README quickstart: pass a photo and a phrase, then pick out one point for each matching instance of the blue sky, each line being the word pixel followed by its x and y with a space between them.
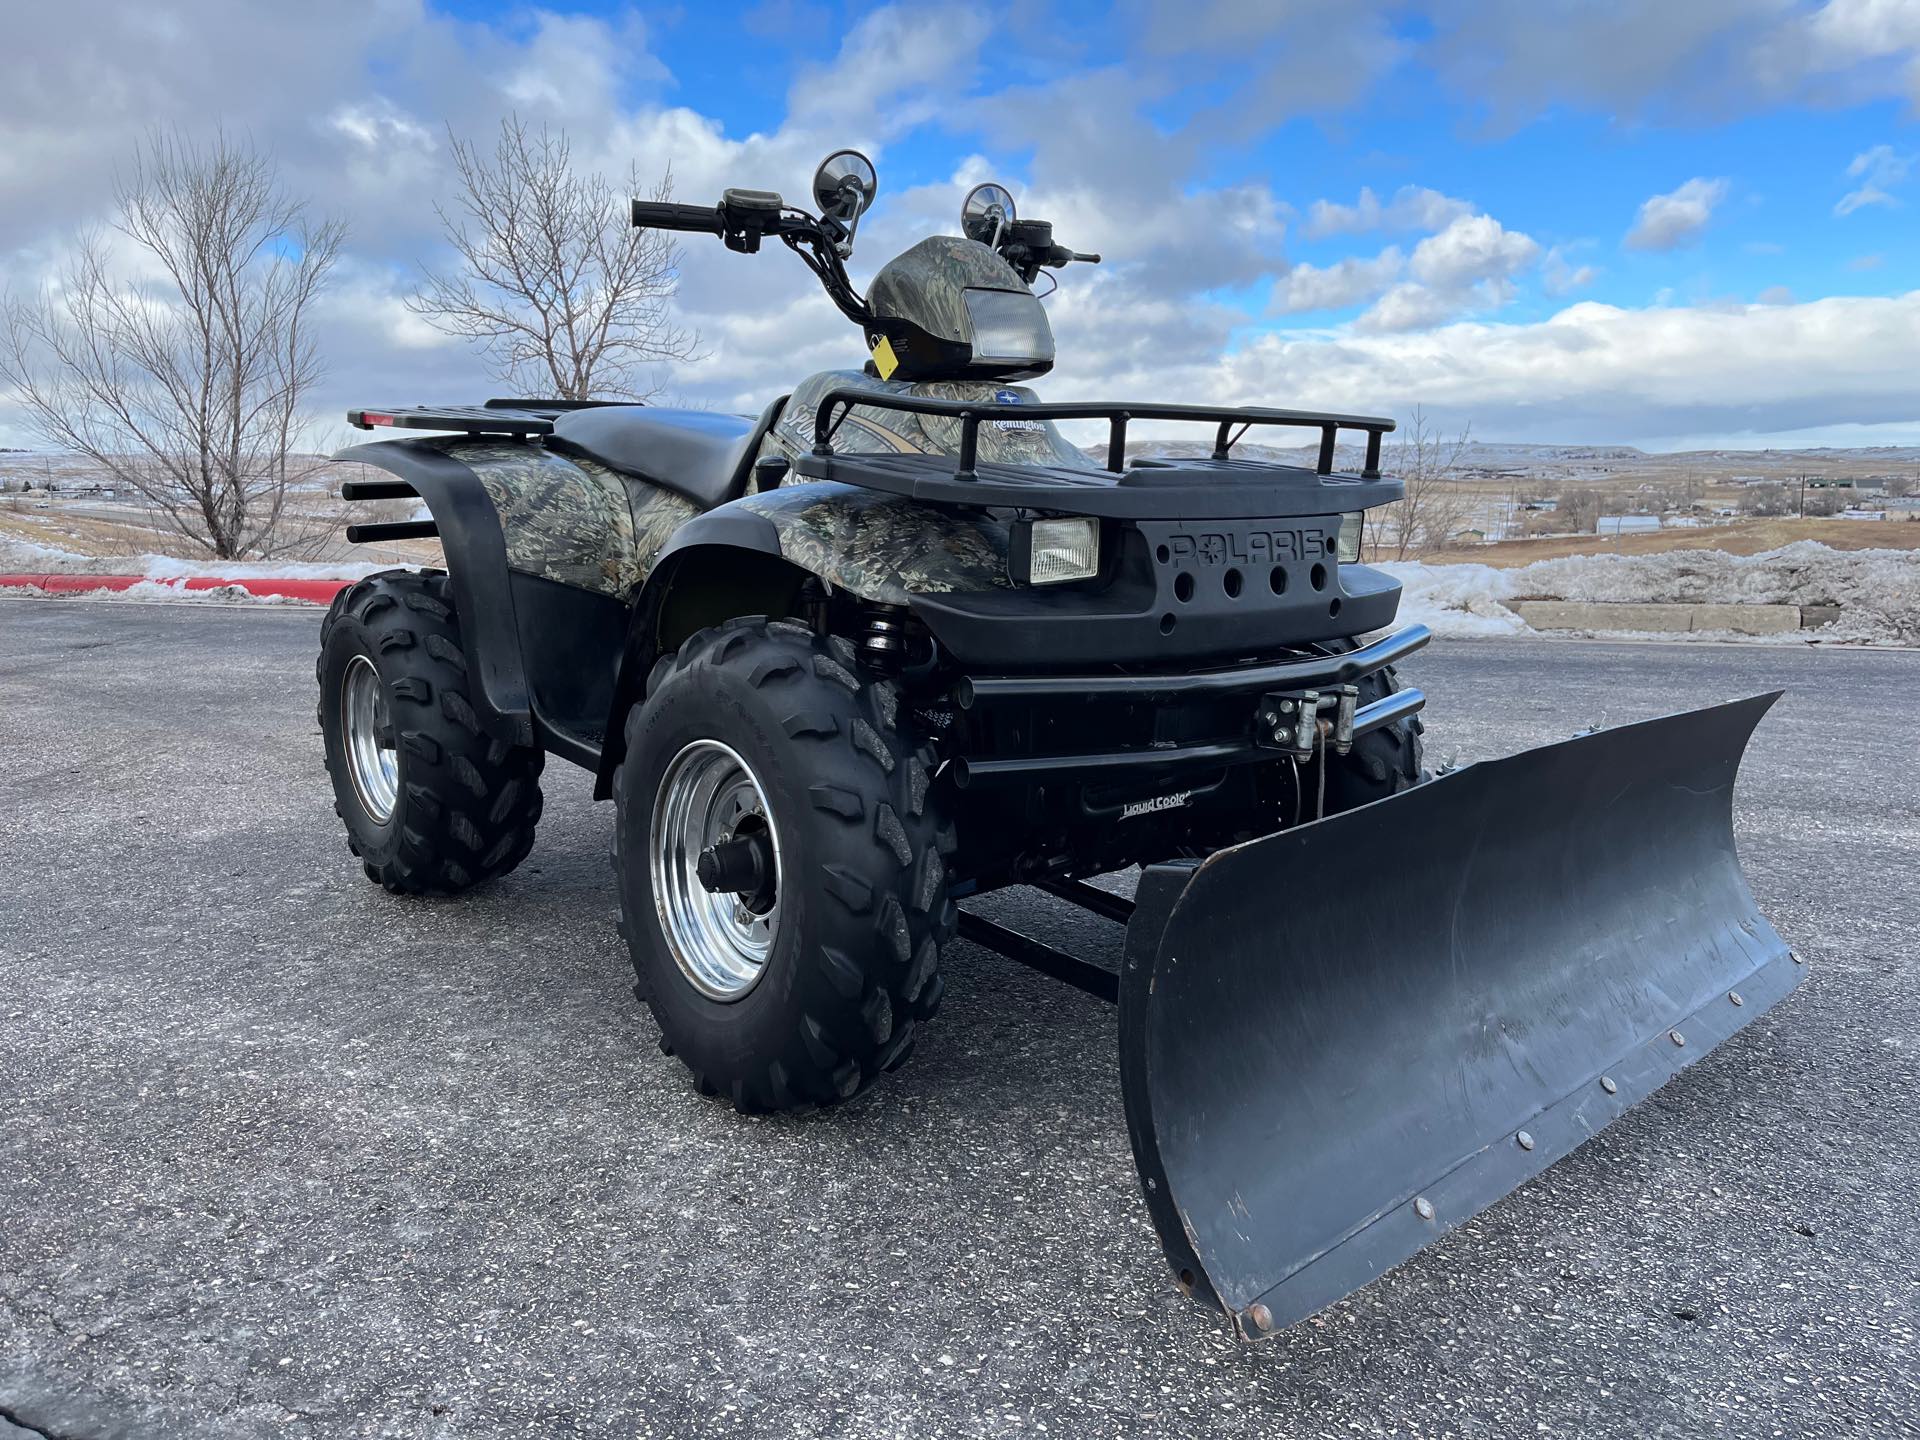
pixel 1677 223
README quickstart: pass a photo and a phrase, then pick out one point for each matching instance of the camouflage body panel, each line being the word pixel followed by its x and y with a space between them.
pixel 883 547
pixel 569 519
pixel 572 520
pixel 657 516
pixel 924 283
pixel 881 432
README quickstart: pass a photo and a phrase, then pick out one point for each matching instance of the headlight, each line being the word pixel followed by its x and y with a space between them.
pixel 1049 552
pixel 1350 524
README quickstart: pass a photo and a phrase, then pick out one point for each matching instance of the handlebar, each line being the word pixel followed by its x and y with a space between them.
pixel 657 215
pixel 744 217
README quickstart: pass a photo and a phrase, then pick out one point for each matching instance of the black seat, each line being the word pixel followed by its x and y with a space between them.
pixel 702 455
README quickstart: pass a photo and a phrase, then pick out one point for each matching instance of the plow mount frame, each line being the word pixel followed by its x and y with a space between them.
pixel 1201 1126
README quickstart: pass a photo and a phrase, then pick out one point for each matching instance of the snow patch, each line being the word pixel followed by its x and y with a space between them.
pixel 19 556
pixel 1455 599
pixel 1878 591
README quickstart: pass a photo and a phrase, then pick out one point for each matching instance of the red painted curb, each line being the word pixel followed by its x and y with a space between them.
pixel 317 592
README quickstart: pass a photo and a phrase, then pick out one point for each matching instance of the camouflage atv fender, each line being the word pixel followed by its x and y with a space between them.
pixel 507 509
pixel 875 546
pixel 880 547
pixel 561 517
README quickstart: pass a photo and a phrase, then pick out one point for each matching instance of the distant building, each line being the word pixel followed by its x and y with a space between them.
pixel 1625 524
pixel 1861 515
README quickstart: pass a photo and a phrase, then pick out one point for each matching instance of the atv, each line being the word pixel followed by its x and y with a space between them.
pixel 896 642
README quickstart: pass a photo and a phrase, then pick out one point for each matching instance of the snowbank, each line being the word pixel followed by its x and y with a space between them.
pixel 1878 591
pixel 1455 599
pixel 23 556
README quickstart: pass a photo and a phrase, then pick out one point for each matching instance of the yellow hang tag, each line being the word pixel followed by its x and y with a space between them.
pixel 884 360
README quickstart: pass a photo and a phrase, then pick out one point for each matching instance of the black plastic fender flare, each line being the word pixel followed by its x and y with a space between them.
pixel 704 539
pixel 476 553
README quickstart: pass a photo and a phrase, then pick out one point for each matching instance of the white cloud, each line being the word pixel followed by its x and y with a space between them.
pixel 1472 249
pixel 1470 264
pixel 1880 169
pixel 1560 276
pixel 1408 306
pixel 1414 208
pixel 1848 31
pixel 1334 287
pixel 1669 221
pixel 1594 372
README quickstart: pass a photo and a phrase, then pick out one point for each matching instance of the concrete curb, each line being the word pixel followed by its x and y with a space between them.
pixel 1668 618
pixel 315 592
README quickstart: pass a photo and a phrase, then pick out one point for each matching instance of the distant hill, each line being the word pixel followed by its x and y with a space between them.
pixel 1487 459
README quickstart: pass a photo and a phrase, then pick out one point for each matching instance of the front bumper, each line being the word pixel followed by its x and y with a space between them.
pixel 1016 724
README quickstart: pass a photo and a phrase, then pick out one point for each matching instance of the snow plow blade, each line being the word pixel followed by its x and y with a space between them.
pixel 1341 1041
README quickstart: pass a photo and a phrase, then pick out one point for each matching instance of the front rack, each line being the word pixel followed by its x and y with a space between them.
pixel 1233 422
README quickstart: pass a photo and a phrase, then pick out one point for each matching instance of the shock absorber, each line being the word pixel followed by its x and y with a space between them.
pixel 891 640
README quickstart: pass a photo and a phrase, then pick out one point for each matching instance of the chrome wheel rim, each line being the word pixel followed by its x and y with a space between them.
pixel 368 735
pixel 720 941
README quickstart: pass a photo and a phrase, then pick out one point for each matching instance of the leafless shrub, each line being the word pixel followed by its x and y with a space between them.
pixel 563 294
pixel 186 386
pixel 1434 509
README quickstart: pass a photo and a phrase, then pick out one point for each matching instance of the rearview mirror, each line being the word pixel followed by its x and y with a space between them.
pixel 987 213
pixel 844 186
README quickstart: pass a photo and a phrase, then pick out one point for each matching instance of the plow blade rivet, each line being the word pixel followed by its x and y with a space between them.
pixel 1526 1140
pixel 1734 996
pixel 1423 1207
pixel 1676 1037
pixel 1261 1317
pixel 1606 1084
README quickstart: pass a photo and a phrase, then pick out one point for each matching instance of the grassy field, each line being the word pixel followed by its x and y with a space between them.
pixel 104 531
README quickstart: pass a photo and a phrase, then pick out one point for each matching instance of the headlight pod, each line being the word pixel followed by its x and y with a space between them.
pixel 1350 524
pixel 1052 552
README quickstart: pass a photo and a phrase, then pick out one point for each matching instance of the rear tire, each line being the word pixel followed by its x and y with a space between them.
pixel 849 966
pixel 431 802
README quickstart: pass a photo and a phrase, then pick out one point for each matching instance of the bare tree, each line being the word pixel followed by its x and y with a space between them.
pixel 186 383
pixel 1434 508
pixel 1580 507
pixel 564 295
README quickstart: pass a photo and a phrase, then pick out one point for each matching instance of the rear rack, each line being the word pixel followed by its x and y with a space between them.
pixel 1233 422
pixel 496 417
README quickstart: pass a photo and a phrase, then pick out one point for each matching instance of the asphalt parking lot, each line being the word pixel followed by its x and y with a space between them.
pixel 282 1155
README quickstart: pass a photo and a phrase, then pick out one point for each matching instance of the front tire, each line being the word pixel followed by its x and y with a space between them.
pixel 803 987
pixel 431 802
pixel 1382 763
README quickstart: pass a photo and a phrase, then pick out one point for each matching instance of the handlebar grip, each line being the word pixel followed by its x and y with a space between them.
pixel 1089 259
pixel 657 215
